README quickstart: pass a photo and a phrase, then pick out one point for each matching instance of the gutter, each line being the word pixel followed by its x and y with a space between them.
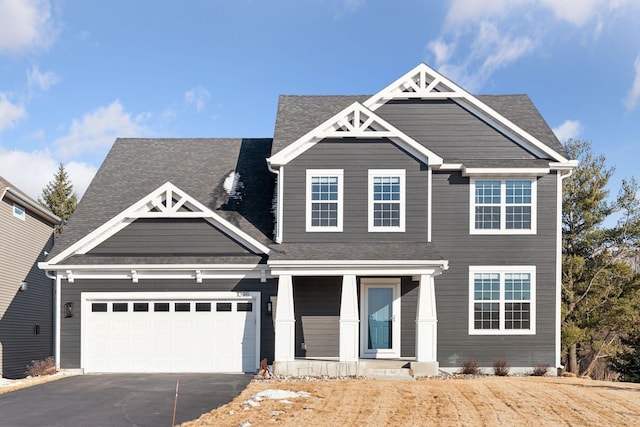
pixel 279 189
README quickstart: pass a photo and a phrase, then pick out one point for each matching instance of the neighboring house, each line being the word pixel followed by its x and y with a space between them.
pixel 419 224
pixel 26 294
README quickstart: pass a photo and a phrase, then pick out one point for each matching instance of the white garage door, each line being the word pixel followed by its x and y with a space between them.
pixel 170 332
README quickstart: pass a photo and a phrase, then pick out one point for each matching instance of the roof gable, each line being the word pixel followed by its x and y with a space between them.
pixel 423 82
pixel 355 121
pixel 168 201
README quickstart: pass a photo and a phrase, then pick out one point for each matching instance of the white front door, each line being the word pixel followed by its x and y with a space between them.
pixel 380 326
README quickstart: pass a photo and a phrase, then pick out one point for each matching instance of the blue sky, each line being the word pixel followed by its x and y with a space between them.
pixel 76 74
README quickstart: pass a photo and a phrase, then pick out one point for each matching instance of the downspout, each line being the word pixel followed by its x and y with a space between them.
pixel 278 214
pixel 558 331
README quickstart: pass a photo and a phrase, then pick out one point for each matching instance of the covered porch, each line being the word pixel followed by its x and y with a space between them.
pixel 342 318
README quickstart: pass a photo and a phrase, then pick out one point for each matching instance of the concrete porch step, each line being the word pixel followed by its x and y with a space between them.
pixel 389 373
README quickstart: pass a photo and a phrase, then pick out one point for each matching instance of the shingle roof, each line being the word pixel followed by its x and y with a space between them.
pixel 297 115
pixel 365 251
pixel 136 167
pixel 22 198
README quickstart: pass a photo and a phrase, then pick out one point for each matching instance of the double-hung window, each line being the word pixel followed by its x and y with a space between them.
pixel 502 300
pixel 506 206
pixel 324 200
pixel 386 200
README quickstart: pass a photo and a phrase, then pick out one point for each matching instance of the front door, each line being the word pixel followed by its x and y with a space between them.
pixel 380 302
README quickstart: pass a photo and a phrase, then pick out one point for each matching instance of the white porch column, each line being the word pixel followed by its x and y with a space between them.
pixel 426 321
pixel 349 320
pixel 285 321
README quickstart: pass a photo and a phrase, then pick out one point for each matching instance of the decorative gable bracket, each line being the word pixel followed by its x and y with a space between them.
pixel 167 201
pixel 355 121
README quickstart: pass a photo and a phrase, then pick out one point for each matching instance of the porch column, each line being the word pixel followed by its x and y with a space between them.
pixel 285 321
pixel 349 339
pixel 426 321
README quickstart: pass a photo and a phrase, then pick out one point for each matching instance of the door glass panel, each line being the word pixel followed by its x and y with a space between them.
pixel 380 316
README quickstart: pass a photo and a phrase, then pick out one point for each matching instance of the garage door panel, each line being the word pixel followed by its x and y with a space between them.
pixel 213 336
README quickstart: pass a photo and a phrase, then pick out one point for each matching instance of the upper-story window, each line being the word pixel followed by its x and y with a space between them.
pixel 19 212
pixel 324 199
pixel 506 206
pixel 502 300
pixel 386 200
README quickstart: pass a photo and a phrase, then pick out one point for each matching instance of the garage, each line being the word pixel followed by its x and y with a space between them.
pixel 170 332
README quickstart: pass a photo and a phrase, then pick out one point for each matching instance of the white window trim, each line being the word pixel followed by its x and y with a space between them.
pixel 502 270
pixel 22 216
pixel 387 172
pixel 324 172
pixel 503 205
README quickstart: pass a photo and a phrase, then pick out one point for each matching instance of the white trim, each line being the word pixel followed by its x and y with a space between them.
pixel 426 321
pixel 355 121
pixel 429 202
pixel 58 319
pixel 284 329
pixel 143 209
pixel 394 351
pixel 518 172
pixel 358 267
pixel 558 296
pixel 86 297
pixel 390 173
pixel 502 270
pixel 23 215
pixel 423 82
pixel 316 173
pixel 503 217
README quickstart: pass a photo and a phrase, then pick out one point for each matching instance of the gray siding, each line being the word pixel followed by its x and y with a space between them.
pixel 450 131
pixel 317 310
pixel 451 237
pixel 408 310
pixel 169 237
pixel 22 246
pixel 70 327
pixel 355 157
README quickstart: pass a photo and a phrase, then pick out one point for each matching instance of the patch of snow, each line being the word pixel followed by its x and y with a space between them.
pixel 280 394
pixel 251 402
pixel 247 424
pixel 286 402
pixel 233 186
pixel 275 413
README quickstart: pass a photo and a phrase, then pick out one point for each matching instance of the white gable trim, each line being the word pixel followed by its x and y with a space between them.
pixel 355 121
pixel 159 204
pixel 423 82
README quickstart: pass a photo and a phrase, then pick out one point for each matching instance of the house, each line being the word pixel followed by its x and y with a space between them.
pixel 26 294
pixel 420 224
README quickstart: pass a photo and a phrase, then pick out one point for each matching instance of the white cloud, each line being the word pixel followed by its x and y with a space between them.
pixel 25 24
pixel 43 81
pixel 31 172
pixel 470 10
pixel 198 97
pixel 568 130
pixel 9 113
pixel 441 50
pixel 634 93
pixel 576 12
pixel 98 129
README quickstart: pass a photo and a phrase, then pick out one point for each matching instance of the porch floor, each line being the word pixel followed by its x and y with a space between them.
pixel 332 367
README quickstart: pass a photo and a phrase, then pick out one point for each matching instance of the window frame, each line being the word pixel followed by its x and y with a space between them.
pixel 375 173
pixel 502 271
pixel 22 214
pixel 314 173
pixel 503 206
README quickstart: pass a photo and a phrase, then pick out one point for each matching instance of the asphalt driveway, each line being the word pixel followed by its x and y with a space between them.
pixel 119 399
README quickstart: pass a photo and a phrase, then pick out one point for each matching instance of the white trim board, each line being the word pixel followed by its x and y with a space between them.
pixel 159 204
pixel 423 82
pixel 355 121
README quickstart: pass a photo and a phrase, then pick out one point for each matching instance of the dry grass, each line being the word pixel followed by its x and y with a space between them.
pixel 489 401
pixel 28 382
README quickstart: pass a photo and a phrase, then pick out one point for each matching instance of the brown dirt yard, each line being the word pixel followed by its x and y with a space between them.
pixel 481 401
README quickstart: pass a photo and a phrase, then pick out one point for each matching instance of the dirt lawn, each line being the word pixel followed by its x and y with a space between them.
pixel 489 401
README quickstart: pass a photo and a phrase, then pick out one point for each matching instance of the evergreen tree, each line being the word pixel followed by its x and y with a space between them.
pixel 600 289
pixel 58 196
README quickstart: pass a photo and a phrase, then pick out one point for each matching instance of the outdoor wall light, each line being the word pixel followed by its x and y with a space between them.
pixel 23 286
pixel 68 309
pixel 36 329
pixel 269 307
